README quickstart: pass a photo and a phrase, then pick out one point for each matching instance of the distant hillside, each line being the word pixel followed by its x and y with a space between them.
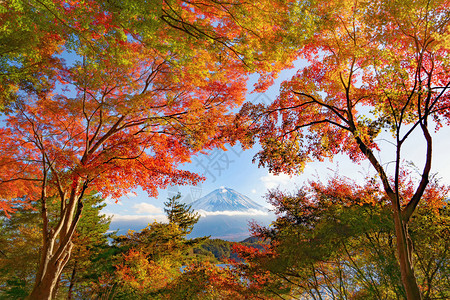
pixel 231 228
pixel 222 250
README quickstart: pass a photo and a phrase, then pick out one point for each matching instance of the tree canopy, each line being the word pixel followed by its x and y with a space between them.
pixel 114 95
pixel 108 96
pixel 371 66
pixel 337 240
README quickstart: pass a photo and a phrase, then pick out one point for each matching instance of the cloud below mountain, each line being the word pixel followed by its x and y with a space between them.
pixel 224 213
pixel 149 218
pixel 250 212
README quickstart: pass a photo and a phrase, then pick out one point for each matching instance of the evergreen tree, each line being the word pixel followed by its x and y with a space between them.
pixel 181 214
pixel 19 243
pixel 149 261
pixel 90 241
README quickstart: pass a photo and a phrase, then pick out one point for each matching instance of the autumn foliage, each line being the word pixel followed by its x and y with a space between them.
pixel 370 67
pixel 333 240
pixel 125 93
pixel 108 96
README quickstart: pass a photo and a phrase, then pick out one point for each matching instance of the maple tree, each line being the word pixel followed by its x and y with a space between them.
pixel 370 66
pixel 204 280
pixel 119 95
pixel 90 241
pixel 343 237
pixel 32 34
pixel 21 239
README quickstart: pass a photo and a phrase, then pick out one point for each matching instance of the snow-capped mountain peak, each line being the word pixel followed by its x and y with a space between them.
pixel 225 199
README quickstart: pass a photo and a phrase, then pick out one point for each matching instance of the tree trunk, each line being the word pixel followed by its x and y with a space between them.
pixel 50 272
pixel 72 282
pixel 404 251
pixel 404 245
pixel 57 242
pixel 56 288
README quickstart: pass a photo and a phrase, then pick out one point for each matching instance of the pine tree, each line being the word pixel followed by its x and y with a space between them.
pixel 181 214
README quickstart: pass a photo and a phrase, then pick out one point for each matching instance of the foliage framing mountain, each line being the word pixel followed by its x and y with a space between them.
pixel 225 199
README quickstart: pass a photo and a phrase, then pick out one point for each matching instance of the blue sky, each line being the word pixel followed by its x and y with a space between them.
pixel 234 169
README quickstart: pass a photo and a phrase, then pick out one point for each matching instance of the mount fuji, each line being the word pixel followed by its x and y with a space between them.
pixel 226 214
pixel 225 199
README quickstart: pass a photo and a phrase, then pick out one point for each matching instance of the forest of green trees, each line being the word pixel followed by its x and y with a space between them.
pixel 99 98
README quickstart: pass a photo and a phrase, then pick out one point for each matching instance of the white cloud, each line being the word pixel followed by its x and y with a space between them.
pixel 138 218
pixel 223 189
pixel 253 191
pixel 145 208
pixel 271 181
pixel 250 212
pixel 111 201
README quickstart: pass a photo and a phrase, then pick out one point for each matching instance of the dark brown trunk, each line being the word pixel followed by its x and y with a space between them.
pixel 404 251
pixel 45 286
pixel 72 282
pixel 57 244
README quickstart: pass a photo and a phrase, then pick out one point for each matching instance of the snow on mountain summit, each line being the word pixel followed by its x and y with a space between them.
pixel 225 199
